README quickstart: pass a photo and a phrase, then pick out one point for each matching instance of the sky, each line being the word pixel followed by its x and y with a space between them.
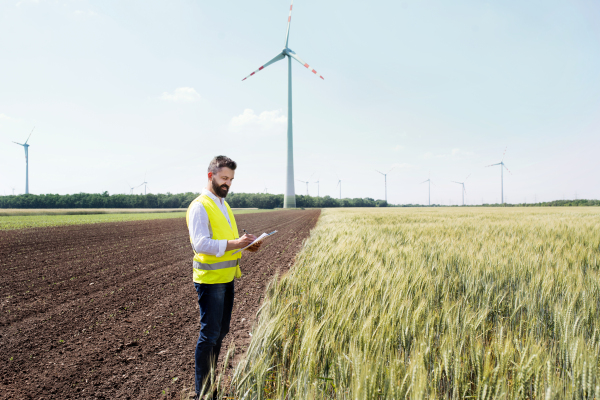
pixel 125 91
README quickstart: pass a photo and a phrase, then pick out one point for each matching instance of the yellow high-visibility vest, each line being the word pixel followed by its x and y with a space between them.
pixel 209 268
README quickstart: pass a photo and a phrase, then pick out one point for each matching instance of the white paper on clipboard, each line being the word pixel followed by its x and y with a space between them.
pixel 258 239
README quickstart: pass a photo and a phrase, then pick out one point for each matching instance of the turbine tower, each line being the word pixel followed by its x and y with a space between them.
pixel 502 166
pixel 317 182
pixel 385 181
pixel 306 185
pixel 26 147
pixel 429 196
pixel 289 199
pixel 463 188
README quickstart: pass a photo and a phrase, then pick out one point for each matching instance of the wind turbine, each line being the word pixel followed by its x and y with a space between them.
pixel 339 184
pixel 130 187
pixel 289 199
pixel 317 182
pixel 385 180
pixel 429 196
pixel 306 185
pixel 26 147
pixel 502 166
pixel 144 183
pixel 463 188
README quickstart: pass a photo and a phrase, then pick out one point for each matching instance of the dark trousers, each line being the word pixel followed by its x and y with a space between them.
pixel 216 302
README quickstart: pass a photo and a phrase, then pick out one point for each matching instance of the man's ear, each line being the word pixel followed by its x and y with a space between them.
pixel 210 175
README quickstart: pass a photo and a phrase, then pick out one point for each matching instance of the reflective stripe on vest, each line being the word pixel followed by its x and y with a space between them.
pixel 215 266
pixel 209 268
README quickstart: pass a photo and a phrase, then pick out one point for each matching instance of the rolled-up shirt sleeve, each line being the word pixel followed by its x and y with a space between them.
pixel 201 234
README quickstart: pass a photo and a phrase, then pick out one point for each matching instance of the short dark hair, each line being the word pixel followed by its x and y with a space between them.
pixel 219 162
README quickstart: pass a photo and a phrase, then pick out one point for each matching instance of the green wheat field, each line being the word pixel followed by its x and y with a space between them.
pixel 434 303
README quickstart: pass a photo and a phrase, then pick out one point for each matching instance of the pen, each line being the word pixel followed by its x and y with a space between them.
pixel 245 232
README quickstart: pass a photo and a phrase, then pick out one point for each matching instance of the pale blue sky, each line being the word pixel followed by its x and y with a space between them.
pixel 120 88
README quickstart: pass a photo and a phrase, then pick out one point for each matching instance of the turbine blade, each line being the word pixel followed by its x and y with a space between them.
pixel 287 34
pixel 425 181
pixel 278 57
pixel 507 169
pixel 460 183
pixel 295 56
pixel 380 172
pixel 503 154
pixel 20 144
pixel 29 135
pixel 491 165
pixel 390 170
pixel 467 177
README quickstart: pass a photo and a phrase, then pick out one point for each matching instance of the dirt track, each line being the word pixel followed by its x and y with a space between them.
pixel 109 310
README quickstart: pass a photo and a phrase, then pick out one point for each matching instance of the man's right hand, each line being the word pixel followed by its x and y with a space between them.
pixel 241 242
pixel 245 240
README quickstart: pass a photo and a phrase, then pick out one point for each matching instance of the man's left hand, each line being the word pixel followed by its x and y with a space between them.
pixel 254 247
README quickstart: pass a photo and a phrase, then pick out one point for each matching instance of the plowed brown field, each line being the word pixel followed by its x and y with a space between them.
pixel 109 311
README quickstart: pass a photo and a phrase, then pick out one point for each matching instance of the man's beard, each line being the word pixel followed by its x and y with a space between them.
pixel 220 191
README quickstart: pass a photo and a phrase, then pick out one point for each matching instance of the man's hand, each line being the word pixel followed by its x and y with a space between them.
pixel 240 243
pixel 254 247
pixel 245 240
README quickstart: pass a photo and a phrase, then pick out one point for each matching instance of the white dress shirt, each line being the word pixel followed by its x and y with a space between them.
pixel 201 231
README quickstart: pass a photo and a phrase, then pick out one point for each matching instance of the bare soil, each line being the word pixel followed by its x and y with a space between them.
pixel 109 311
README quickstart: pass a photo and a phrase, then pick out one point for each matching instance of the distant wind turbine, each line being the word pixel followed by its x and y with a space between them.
pixel 317 182
pixel 385 180
pixel 306 185
pixel 131 187
pixel 289 199
pixel 429 196
pixel 502 166
pixel 26 147
pixel 340 185
pixel 463 188
pixel 144 183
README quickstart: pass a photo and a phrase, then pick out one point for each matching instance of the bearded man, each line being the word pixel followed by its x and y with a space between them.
pixel 214 236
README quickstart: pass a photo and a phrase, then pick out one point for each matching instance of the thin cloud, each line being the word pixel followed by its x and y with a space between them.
pixel 4 117
pixel 182 94
pixel 267 122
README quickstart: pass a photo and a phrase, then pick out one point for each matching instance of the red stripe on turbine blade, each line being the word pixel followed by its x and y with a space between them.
pixel 252 73
pixel 306 65
pixel 261 67
pixel 321 77
pixel 291 7
pixel 289 18
pixel 314 72
pixel 244 79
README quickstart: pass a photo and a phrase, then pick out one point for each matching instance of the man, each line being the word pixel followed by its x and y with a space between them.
pixel 214 236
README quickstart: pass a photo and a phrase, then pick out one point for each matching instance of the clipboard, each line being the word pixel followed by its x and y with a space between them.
pixel 258 239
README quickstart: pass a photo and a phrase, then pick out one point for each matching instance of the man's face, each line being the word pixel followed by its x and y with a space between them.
pixel 221 181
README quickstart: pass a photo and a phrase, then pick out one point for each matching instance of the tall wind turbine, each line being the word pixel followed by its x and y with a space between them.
pixel 144 183
pixel 306 185
pixel 463 188
pixel 502 166
pixel 385 181
pixel 429 196
pixel 26 147
pixel 289 199
pixel 317 182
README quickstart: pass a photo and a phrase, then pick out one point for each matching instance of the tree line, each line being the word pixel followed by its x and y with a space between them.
pixel 235 200
pixel 170 200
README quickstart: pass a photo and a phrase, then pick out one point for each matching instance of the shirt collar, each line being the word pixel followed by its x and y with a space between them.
pixel 216 199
